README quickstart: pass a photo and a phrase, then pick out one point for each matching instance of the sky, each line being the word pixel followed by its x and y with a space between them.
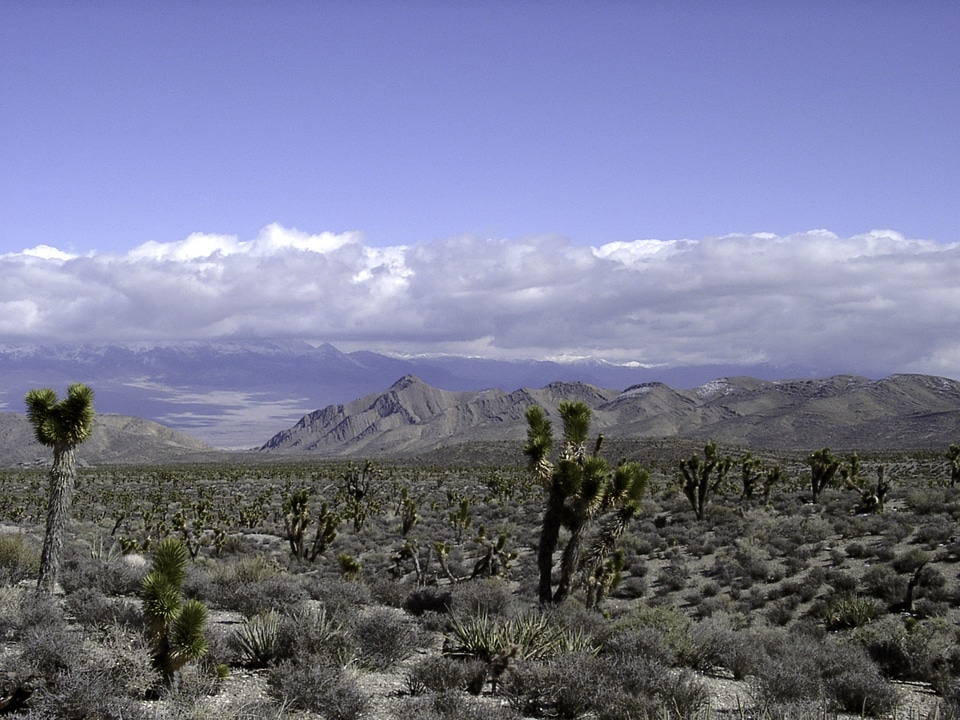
pixel 655 182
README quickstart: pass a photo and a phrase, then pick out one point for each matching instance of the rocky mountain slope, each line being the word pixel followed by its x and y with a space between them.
pixel 236 394
pixel 115 439
pixel 844 412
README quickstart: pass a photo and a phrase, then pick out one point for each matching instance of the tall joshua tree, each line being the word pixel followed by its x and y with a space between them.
pixel 703 478
pixel 580 487
pixel 953 455
pixel 823 469
pixel 62 425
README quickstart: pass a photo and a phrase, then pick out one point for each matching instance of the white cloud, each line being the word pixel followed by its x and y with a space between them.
pixel 873 303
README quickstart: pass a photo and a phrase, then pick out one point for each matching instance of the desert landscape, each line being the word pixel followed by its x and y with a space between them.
pixel 335 581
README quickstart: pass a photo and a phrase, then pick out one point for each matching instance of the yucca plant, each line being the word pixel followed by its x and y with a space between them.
pixel 485 636
pixel 258 638
pixel 175 627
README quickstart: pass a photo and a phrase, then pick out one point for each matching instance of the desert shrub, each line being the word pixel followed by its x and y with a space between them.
pixel 936 531
pixel 684 694
pixel 853 683
pixel 631 588
pixel 780 613
pixel 925 501
pixel 80 693
pixel 428 599
pixel 806 529
pixel 911 650
pixel 800 669
pixel 794 564
pixel 787 677
pixel 318 687
pixel 19 558
pixel 856 550
pixel 488 595
pixel 10 599
pixel 646 642
pixel 439 673
pixel 103 682
pixel 933 585
pixel 910 560
pixel 188 693
pixel 842 581
pixel 91 608
pixel 313 631
pixel 383 637
pixel 753 561
pixel 564 686
pixel 263 596
pixel 387 590
pixel 949 708
pixel 673 577
pixel 220 583
pixel 719 643
pixel 665 626
pixel 50 648
pixel 452 705
pixel 339 596
pixel 884 583
pixel 112 575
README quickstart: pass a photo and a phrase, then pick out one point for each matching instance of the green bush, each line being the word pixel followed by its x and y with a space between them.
pixel 844 612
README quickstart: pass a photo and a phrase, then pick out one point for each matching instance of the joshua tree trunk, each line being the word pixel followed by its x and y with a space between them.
pixel 549 535
pixel 62 482
pixel 570 561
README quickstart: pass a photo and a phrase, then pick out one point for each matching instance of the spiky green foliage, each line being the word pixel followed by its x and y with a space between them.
pixel 535 636
pixel 702 478
pixel 68 421
pixel 953 455
pixel 62 425
pixel 581 487
pixel 296 520
pixel 258 639
pixel 823 469
pixel 328 525
pixel 176 628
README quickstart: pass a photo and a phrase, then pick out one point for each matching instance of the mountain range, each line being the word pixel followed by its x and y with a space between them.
pixel 115 439
pixel 237 394
pixel 900 412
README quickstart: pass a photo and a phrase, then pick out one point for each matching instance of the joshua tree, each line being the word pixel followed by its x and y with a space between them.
pixel 580 487
pixel 176 627
pixel 953 455
pixel 696 473
pixel 823 468
pixel 751 469
pixel 62 425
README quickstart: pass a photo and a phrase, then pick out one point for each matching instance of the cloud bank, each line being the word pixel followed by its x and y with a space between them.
pixel 875 303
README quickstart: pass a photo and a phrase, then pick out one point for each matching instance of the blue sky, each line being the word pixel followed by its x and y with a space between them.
pixel 138 134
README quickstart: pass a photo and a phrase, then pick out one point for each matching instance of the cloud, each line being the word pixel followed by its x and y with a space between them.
pixel 873 303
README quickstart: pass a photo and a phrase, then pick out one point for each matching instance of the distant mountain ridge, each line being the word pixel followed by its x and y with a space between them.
pixel 894 413
pixel 115 439
pixel 235 394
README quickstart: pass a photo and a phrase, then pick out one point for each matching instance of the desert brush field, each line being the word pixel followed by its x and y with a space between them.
pixel 402 590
